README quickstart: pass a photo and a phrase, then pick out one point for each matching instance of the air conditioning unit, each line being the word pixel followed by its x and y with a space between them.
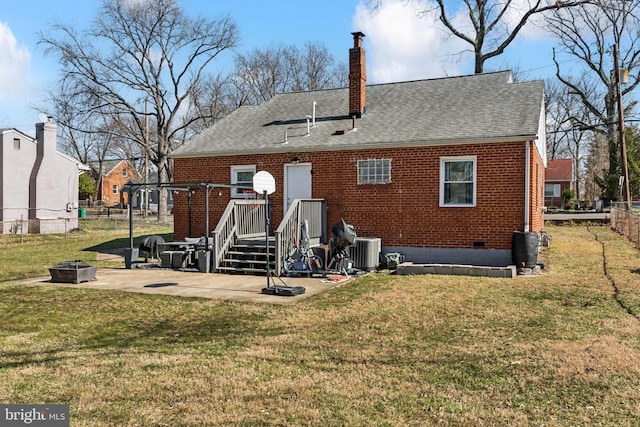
pixel 366 254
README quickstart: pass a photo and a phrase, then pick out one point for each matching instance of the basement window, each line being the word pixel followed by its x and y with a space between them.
pixel 458 181
pixel 243 175
pixel 374 171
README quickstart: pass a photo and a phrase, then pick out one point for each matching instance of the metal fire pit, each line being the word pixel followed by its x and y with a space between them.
pixel 73 272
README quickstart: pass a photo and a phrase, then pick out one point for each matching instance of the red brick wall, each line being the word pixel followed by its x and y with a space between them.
pixel 536 219
pixel 403 213
pixel 557 201
pixel 357 77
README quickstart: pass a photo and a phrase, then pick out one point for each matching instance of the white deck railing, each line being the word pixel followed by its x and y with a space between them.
pixel 242 219
pixel 245 219
pixel 288 234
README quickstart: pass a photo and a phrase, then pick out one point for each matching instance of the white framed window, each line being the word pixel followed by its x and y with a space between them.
pixel 458 181
pixel 16 143
pixel 551 190
pixel 115 189
pixel 125 172
pixel 242 175
pixel 374 171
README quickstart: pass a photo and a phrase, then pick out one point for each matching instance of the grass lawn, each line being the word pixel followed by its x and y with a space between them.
pixel 559 349
pixel 33 254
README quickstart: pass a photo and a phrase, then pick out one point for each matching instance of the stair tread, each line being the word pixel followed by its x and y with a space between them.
pixel 246 253
pixel 246 261
pixel 248 256
pixel 242 269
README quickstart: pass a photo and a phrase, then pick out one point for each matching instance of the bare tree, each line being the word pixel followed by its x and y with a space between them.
pixel 566 138
pixel 597 161
pixel 143 51
pixel 314 68
pixel 491 34
pixel 80 122
pixel 588 33
pixel 260 74
pixel 212 99
pixel 559 120
pixel 488 26
pixel 633 150
pixel 84 128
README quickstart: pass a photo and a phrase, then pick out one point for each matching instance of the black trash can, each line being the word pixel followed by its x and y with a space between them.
pixel 524 249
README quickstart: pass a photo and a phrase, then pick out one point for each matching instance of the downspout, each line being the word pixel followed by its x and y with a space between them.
pixel 527 183
pixel 206 218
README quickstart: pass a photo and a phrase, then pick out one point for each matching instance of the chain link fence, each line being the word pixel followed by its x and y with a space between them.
pixel 625 221
pixel 113 220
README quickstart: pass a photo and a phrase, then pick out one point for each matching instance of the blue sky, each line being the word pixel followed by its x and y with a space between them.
pixel 400 45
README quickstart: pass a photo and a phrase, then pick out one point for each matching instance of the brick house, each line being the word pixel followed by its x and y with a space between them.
pixel 38 184
pixel 115 174
pixel 558 178
pixel 443 170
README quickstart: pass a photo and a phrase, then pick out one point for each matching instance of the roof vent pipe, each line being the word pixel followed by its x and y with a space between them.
pixel 286 141
pixel 313 124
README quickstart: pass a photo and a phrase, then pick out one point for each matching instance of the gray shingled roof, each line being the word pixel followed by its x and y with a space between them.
pixel 476 108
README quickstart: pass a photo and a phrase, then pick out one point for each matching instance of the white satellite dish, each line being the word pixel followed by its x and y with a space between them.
pixel 43 118
pixel 264 181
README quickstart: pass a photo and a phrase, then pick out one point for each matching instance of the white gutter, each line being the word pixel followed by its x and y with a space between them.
pixel 527 182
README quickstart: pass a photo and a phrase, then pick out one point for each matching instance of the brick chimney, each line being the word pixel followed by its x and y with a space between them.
pixel 44 175
pixel 357 77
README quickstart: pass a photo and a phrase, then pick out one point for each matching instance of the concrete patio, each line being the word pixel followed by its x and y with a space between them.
pixel 151 279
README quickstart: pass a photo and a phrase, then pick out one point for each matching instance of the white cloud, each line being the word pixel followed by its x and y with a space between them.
pixel 404 44
pixel 15 62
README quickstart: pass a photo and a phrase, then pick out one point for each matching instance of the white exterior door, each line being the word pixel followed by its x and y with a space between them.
pixel 297 183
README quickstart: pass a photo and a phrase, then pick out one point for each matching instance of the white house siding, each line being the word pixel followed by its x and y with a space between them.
pixel 39 185
pixel 16 169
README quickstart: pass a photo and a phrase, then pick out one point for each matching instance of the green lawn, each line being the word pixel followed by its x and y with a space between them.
pixel 32 255
pixel 558 349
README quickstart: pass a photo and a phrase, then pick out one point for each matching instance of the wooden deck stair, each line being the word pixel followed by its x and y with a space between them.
pixel 248 256
pixel 239 237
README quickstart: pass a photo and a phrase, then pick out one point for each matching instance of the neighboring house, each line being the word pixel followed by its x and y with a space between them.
pixel 38 185
pixel 443 170
pixel 558 178
pixel 150 192
pixel 115 174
